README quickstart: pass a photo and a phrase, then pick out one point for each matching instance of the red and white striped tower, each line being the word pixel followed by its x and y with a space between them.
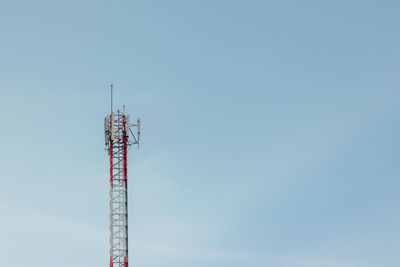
pixel 118 135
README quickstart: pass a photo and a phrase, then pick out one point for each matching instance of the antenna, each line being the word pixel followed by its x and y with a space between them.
pixel 111 97
pixel 139 122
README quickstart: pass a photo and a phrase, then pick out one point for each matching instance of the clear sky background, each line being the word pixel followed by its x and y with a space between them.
pixel 270 131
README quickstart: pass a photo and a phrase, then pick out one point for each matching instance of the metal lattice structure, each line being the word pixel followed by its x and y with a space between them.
pixel 118 132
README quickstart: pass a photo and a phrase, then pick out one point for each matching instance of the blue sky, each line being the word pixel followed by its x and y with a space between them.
pixel 270 131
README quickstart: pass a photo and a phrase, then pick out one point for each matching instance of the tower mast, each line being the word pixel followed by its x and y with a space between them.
pixel 118 135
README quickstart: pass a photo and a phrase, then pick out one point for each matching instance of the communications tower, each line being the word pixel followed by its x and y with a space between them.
pixel 119 136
